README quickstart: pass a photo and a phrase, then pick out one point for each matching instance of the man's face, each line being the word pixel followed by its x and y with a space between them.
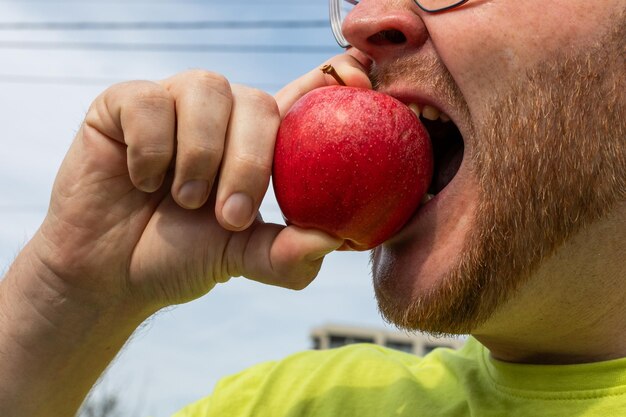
pixel 537 96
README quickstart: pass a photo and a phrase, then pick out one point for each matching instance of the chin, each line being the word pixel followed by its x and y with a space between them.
pixel 418 273
pixel 423 276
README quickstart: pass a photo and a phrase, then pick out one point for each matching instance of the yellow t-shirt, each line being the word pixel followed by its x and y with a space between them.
pixel 372 381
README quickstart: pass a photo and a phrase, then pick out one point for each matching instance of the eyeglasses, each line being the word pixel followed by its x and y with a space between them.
pixel 339 9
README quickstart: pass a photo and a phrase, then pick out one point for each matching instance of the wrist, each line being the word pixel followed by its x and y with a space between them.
pixel 32 289
pixel 51 331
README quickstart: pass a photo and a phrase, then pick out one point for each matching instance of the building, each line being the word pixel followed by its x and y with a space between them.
pixel 332 335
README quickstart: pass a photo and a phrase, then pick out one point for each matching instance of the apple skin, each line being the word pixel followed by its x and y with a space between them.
pixel 352 162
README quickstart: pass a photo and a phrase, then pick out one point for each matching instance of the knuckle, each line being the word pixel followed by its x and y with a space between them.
pixel 138 91
pixel 262 101
pixel 97 113
pixel 254 163
pixel 151 97
pixel 149 154
pixel 207 80
pixel 127 101
pixel 202 152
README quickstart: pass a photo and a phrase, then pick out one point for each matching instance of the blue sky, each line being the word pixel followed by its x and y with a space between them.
pixel 180 353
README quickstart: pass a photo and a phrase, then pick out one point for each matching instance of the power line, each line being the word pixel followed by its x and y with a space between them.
pixel 37 208
pixel 168 25
pixel 60 80
pixel 170 47
pixel 165 2
pixel 22 208
pixel 94 81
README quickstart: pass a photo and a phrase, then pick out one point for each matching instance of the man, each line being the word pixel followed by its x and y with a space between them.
pixel 523 247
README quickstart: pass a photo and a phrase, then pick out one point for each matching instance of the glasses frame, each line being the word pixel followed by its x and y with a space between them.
pixel 335 16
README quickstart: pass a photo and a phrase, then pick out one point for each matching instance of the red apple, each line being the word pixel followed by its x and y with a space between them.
pixel 352 162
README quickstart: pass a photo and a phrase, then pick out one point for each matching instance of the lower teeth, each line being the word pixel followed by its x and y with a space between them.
pixel 427 197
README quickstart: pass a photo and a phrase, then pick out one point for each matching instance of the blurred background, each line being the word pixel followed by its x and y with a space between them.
pixel 56 57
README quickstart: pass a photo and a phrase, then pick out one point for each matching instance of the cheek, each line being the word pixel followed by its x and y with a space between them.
pixel 489 44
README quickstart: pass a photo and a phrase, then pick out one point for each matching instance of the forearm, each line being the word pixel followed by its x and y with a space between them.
pixel 54 343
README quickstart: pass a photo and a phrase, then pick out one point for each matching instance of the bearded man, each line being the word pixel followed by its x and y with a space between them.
pixel 522 245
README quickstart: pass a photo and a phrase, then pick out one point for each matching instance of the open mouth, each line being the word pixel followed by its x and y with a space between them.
pixel 448 146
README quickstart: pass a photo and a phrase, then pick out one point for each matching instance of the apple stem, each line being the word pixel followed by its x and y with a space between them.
pixel 330 70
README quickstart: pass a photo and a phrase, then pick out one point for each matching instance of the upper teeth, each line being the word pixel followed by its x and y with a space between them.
pixel 429 112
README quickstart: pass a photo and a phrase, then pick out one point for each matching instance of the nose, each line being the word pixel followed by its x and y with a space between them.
pixel 384 29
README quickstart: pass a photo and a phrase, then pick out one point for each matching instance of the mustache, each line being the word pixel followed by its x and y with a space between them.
pixel 420 70
pixel 423 71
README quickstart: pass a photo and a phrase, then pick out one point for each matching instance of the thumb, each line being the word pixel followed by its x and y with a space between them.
pixel 352 67
pixel 288 257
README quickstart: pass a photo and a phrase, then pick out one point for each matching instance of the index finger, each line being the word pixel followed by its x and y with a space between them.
pixel 351 66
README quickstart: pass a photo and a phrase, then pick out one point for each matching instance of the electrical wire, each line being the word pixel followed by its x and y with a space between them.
pixel 167 2
pixel 166 25
pixel 170 47
pixel 96 81
pixel 55 80
pixel 21 208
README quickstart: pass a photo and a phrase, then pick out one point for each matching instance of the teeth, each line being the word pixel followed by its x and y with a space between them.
pixel 431 113
pixel 427 197
pixel 415 109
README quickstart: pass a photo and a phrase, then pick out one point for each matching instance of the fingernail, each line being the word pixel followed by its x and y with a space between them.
pixel 150 185
pixel 193 193
pixel 237 210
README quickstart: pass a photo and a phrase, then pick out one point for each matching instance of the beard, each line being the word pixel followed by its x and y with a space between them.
pixel 550 160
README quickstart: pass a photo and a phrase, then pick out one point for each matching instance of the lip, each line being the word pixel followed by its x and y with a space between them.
pixel 427 215
pixel 422 98
pixel 436 232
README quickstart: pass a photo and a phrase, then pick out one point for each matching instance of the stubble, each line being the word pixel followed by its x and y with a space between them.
pixel 550 160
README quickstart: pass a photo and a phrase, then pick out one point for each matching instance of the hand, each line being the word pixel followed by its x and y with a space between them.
pixel 157 199
pixel 141 217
